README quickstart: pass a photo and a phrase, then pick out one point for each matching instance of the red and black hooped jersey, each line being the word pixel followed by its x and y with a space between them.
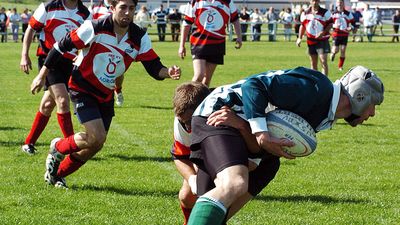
pixel 103 58
pixel 211 19
pixel 181 147
pixel 314 23
pixel 99 10
pixel 341 23
pixel 53 20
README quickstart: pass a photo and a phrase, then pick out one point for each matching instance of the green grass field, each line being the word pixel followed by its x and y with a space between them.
pixel 353 178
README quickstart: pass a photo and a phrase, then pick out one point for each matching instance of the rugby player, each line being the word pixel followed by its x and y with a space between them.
pixel 342 20
pixel 316 22
pixel 208 40
pixel 222 151
pixel 108 47
pixel 53 20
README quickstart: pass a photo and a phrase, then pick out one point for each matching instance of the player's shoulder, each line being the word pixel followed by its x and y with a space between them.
pixel 136 33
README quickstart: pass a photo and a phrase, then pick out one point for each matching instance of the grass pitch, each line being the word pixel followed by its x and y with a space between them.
pixel 353 178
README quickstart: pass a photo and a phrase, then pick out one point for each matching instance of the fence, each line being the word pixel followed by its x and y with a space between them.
pixel 270 35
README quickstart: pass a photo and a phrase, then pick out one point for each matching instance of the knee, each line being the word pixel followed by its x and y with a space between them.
pixel 235 187
pixel 63 103
pixel 47 107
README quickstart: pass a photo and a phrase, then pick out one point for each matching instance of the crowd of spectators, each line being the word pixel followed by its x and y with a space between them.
pixel 285 22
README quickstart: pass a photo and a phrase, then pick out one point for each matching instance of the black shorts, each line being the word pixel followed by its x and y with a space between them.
pixel 216 59
pixel 340 40
pixel 258 178
pixel 220 147
pixel 322 47
pixel 59 75
pixel 87 108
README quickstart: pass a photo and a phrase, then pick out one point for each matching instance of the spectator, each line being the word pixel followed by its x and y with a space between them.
pixel 256 23
pixel 244 19
pixel 356 23
pixel 316 22
pixel 396 23
pixel 369 22
pixel 272 19
pixel 15 18
pixel 3 24
pixel 25 17
pixel 378 15
pixel 142 18
pixel 159 17
pixel 175 19
pixel 287 20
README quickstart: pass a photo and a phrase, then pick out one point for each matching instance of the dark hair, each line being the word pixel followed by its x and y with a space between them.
pixel 115 2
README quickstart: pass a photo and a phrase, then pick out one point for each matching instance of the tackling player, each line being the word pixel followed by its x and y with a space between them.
pixel 316 22
pixel 306 92
pixel 208 40
pixel 342 20
pixel 102 10
pixel 53 20
pixel 108 47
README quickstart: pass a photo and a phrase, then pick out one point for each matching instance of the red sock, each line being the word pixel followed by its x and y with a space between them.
pixel 186 213
pixel 341 62
pixel 69 165
pixel 118 90
pixel 67 145
pixel 65 122
pixel 38 125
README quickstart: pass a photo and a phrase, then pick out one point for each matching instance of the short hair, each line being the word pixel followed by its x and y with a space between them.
pixel 115 2
pixel 188 96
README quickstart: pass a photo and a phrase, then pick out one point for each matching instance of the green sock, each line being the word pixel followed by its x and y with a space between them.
pixel 207 211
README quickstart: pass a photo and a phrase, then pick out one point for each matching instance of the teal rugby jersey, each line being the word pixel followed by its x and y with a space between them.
pixel 303 91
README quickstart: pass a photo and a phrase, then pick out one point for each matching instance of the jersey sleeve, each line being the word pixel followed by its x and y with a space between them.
pixel 146 52
pixel 234 12
pixel 38 19
pixel 328 17
pixel 189 13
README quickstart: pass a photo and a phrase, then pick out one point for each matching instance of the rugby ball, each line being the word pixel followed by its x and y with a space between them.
pixel 286 124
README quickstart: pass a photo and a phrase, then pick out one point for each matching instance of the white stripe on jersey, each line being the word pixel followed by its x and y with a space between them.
pixel 40 14
pixel 86 34
pixel 180 134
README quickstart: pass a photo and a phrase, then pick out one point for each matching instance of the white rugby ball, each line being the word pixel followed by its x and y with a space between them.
pixel 286 124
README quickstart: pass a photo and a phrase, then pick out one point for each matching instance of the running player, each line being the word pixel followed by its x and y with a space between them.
pixel 108 47
pixel 316 22
pixel 342 20
pixel 53 20
pixel 208 40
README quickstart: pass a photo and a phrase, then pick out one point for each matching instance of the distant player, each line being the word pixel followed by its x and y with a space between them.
pixel 208 40
pixel 52 20
pixel 342 20
pixel 99 11
pixel 316 22
pixel 108 47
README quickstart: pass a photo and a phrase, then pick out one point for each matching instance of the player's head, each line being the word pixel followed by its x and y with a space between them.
pixel 340 4
pixel 314 3
pixel 123 11
pixel 365 90
pixel 186 99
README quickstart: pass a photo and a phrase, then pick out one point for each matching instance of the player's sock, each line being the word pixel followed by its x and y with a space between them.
pixel 341 62
pixel 69 165
pixel 207 211
pixel 67 145
pixel 65 122
pixel 186 213
pixel 38 125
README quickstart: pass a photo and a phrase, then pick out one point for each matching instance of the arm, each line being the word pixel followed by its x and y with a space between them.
pixel 184 33
pixel 118 81
pixel 159 72
pixel 26 63
pixel 238 32
pixel 301 34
